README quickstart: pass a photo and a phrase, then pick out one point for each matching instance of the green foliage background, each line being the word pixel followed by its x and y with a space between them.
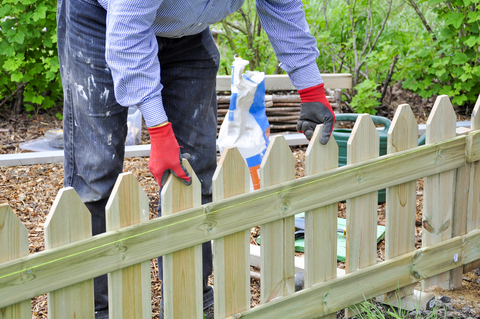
pixel 442 58
pixel 380 42
pixel 448 63
pixel 28 55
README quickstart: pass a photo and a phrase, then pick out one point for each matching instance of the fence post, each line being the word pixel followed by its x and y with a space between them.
pixel 321 223
pixel 363 144
pixel 13 245
pixel 460 216
pixel 231 253
pixel 438 194
pixel 182 270
pixel 473 215
pixel 69 221
pixel 129 289
pixel 401 200
pixel 278 237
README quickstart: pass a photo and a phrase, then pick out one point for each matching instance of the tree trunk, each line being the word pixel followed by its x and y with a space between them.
pixel 18 103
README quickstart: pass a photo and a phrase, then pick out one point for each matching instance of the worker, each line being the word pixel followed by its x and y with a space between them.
pixel 160 56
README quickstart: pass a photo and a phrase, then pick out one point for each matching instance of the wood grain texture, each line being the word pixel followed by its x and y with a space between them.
pixel 278 237
pixel 401 200
pixel 363 144
pixel 69 221
pixel 460 216
pixel 129 289
pixel 321 223
pixel 99 255
pixel 281 82
pixel 336 294
pixel 182 270
pixel 473 212
pixel 13 245
pixel 231 253
pixel 438 197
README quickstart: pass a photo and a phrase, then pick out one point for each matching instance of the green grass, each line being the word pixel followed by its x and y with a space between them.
pixel 370 309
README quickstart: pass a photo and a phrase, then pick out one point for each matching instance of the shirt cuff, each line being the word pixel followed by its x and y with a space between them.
pixel 306 77
pixel 153 111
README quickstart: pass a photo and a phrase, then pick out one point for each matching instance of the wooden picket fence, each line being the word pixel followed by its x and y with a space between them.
pixel 448 163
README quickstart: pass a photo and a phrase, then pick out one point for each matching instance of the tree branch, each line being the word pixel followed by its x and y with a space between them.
pixel 237 27
pixel 389 77
pixel 368 33
pixel 229 35
pixel 422 17
pixel 384 22
pixel 13 93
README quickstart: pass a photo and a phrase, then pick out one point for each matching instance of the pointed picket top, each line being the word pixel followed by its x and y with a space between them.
pixel 401 199
pixel 278 240
pixel 362 145
pixel 403 132
pixel 442 122
pixel 231 176
pixel 68 221
pixel 183 193
pixel 13 245
pixel 364 141
pixel 129 288
pixel 183 268
pixel 128 204
pixel 321 223
pixel 13 235
pixel 283 168
pixel 439 189
pixel 475 121
pixel 231 253
pixel 318 157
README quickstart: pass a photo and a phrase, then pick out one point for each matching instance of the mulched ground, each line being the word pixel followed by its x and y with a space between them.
pixel 31 190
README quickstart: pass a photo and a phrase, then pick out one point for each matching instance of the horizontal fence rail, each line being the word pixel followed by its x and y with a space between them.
pixel 132 240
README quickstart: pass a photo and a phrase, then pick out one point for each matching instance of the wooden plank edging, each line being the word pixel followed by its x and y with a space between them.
pixel 281 82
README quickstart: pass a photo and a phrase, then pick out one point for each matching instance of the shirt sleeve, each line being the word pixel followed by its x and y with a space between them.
pixel 131 54
pixel 288 32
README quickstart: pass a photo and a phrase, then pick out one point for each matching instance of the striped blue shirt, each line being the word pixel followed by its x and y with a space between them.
pixel 131 47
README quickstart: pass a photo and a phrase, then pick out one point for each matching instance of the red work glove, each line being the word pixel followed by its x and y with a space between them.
pixel 315 109
pixel 165 155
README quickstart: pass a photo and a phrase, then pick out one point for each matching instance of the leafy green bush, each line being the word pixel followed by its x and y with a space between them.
pixel 28 55
pixel 366 98
pixel 449 63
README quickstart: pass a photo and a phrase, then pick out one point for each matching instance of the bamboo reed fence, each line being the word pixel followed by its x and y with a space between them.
pixel 451 230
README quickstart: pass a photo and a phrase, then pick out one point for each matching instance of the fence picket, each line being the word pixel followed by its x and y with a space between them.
pixel 363 144
pixel 401 200
pixel 231 253
pixel 438 195
pixel 13 245
pixel 69 221
pixel 129 288
pixel 361 251
pixel 278 237
pixel 473 214
pixel 321 223
pixel 182 270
